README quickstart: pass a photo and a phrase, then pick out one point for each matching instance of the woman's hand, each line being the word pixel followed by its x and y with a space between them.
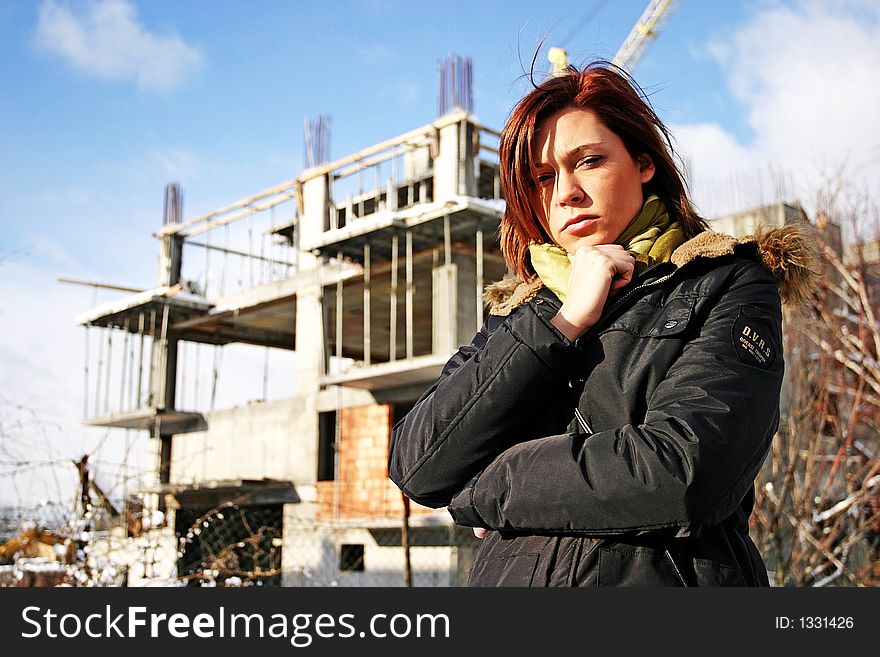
pixel 596 271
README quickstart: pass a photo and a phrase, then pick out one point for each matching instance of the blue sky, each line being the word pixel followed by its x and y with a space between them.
pixel 105 101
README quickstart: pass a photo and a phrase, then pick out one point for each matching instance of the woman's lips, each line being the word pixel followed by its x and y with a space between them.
pixel 581 226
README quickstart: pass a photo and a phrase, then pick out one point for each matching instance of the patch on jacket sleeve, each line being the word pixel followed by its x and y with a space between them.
pixel 754 338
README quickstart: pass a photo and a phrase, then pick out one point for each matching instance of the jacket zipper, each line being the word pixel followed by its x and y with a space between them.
pixel 675 568
pixel 621 300
pixel 580 418
pixel 585 427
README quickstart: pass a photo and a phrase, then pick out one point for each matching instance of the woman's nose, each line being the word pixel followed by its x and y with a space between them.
pixel 568 190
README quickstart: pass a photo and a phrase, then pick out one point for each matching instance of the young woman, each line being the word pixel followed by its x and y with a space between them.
pixel 606 425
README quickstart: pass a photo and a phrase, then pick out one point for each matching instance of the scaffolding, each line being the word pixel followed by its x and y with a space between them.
pixel 369 268
pixel 401 263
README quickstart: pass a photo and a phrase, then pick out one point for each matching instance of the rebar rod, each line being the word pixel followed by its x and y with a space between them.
pixel 409 295
pixel 367 336
pixel 392 340
pixel 479 277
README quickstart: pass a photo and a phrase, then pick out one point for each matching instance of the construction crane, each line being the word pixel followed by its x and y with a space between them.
pixel 628 55
pixel 647 27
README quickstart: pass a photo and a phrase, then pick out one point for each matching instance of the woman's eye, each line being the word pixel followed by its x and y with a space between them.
pixel 545 178
pixel 591 160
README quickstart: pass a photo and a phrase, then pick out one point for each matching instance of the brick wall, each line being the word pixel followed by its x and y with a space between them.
pixel 362 488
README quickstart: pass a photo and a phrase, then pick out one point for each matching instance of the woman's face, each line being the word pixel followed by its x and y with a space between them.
pixel 589 186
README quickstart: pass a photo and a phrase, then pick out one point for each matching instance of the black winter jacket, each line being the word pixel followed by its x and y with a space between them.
pixel 627 457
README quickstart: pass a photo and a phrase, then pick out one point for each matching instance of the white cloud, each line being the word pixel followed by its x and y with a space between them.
pixel 806 74
pixel 105 39
pixel 704 142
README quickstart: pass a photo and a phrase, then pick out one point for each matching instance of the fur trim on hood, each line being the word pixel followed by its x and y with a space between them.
pixel 786 252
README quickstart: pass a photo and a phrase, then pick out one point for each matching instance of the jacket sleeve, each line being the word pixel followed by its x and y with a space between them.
pixel 706 432
pixel 474 411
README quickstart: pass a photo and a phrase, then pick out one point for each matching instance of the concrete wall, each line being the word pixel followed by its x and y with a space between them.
pixel 416 161
pixel 311 557
pixel 276 440
pixel 335 397
pixel 747 223
pixel 741 224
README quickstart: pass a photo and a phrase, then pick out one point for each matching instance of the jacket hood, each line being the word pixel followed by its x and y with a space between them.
pixel 786 252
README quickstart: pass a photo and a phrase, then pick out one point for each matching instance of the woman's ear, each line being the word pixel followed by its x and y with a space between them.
pixel 646 167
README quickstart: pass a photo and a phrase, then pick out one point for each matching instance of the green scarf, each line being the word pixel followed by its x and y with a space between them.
pixel 651 237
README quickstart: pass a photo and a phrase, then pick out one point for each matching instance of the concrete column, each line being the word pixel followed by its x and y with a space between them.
pixel 163 386
pixel 309 339
pixel 164 351
pixel 170 260
pixel 455 164
pixel 467 160
pixel 465 283
pixel 444 304
pixel 315 218
pixel 446 164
